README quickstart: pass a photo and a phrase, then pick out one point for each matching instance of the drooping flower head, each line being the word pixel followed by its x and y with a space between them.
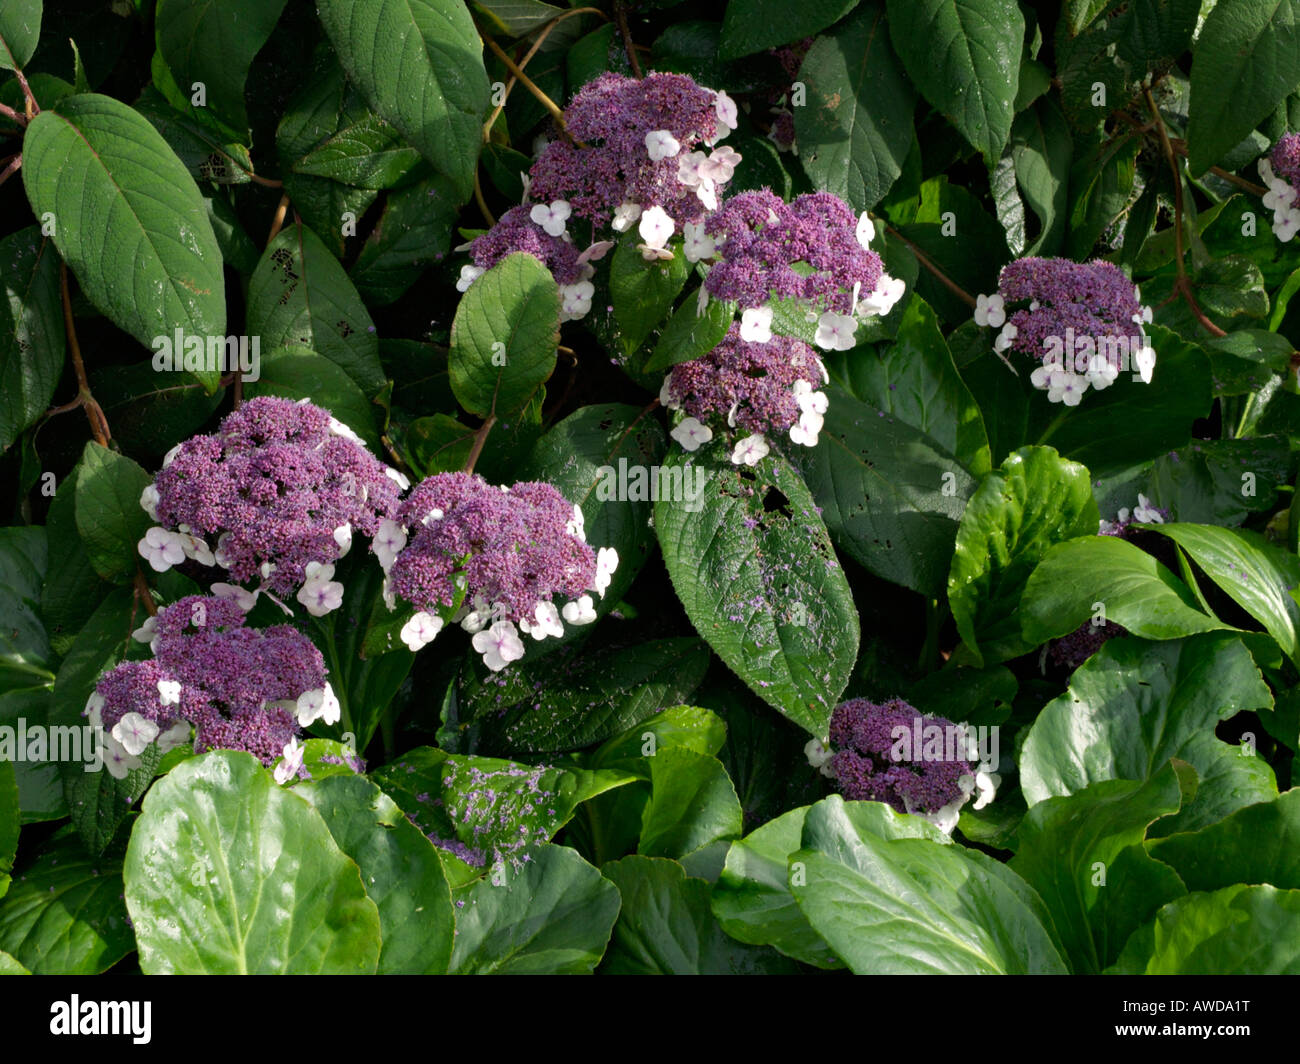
pixel 639 145
pixel 229 686
pixel 1082 321
pixel 888 752
pixel 1280 170
pixel 760 388
pixel 273 496
pixel 509 550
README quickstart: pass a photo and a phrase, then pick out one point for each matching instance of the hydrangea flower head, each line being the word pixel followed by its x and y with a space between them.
pixel 274 495
pixel 764 388
pixel 639 144
pixel 231 687
pixel 1280 170
pixel 1082 321
pixel 504 552
pixel 876 760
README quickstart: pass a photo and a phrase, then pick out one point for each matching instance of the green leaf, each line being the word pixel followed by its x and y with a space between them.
pixel 907 906
pixel 1244 62
pixel 1206 482
pixel 150 411
pixel 64 913
pixel 1135 590
pixel 400 869
pixel 679 727
pixel 40 786
pixel 690 335
pixel 642 292
pixel 752 899
pixel 20 29
pixel 300 373
pixel 109 516
pixel 1084 856
pixel 1220 855
pixel 692 804
pixel 413 232
pixel 226 873
pixel 370 153
pixel 128 218
pixel 855 128
pixel 552 917
pixel 31 330
pixel 1258 576
pixel 10 966
pixel 300 296
pixel 504 336
pixel 916 381
pixel 207 154
pixel 890 495
pixel 24 647
pixel 215 43
pixel 751 26
pixel 1133 705
pixel 753 566
pixel 665 927
pixel 1032 501
pixel 1041 153
pixel 10 823
pixel 964 56
pixel 420 65
pixel 72 589
pixel 1240 930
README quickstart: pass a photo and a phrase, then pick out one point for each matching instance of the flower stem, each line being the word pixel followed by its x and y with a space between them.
pixel 527 83
pixel 480 438
pixel 620 12
pixel 94 413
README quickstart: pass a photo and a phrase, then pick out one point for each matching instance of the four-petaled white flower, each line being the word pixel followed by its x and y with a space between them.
pixel 149 500
pixel 756 325
pixel 320 593
pixel 421 630
pixel 1145 513
pixel 881 300
pixel 499 645
pixel 691 434
pixel 551 216
pixel 135 732
pixel 577 523
pixel 696 243
pixel 1009 332
pixel 116 758
pixel 161 549
pixel 1144 358
pixel 547 622
pixel 388 542
pixel 580 611
pixel 990 310
pixel 750 451
pixel 337 428
pixel 1061 385
pixel 291 761
pixel 866 231
pixel 575 300
pixel 727 113
pixel 1286 223
pixel 835 331
pixel 169 693
pixel 606 563
pixel 397 477
pixel 319 704
pixel 656 229
pixel 660 144
pixel 469 273
pixel 625 216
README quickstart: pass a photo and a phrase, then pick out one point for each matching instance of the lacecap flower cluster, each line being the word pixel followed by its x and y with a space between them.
pixel 933 781
pixel 273 497
pixel 216 682
pixel 1081 321
pixel 504 553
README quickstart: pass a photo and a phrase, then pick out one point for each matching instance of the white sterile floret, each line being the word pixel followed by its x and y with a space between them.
pixel 1009 333
pixel 575 300
pixel 660 144
pixel 881 299
pixel 319 704
pixel 727 113
pixel 1145 513
pixel 321 593
pixel 691 434
pixel 666 399
pixel 149 629
pixel 805 430
pixel 469 273
pixel 577 523
pixel 1144 358
pixel 1286 222
pixel 343 538
pixel 169 692
pixel 196 549
pixel 499 645
pixel 1102 372
pixel 170 455
pixel 161 549
pixel 697 244
pixel 656 229
pixel 388 542
pixel 337 428
pixel 173 737
pixel 551 217
pixel 835 331
pixel 149 501
pixel 135 732
pixel 625 217
pixel 546 622
pixel 400 479
pixel 421 630
pixel 990 310
pixel 291 761
pixel 819 754
pixel 1061 385
pixel 866 231
pixel 606 563
pixel 750 451
pixel 116 758
pixel 756 325
pixel 476 616
pixel 580 611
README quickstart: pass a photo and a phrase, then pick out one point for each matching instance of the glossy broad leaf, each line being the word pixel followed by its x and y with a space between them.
pixel 109 516
pixel 20 30
pixel 754 25
pixel 692 804
pixel 31 330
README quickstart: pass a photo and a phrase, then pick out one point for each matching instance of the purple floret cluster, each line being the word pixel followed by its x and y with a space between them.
pixel 514 232
pixel 504 553
pixel 279 490
pixel 1280 170
pixel 761 239
pixel 1081 321
pixel 231 687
